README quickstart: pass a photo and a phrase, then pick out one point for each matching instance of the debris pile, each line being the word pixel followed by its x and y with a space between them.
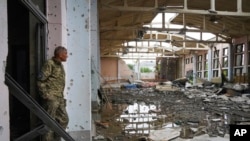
pixel 174 110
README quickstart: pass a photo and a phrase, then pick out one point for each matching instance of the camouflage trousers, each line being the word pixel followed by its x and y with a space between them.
pixel 56 108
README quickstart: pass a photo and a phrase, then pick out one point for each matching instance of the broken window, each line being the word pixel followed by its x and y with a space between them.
pixel 216 53
pixel 205 61
pixel 239 55
pixel 225 51
pixel 238 71
pixel 225 62
pixel 215 73
pixel 205 65
pixel 187 60
pixel 205 74
pixel 239 60
pixel 199 66
pixel 240 48
pixel 199 74
pixel 200 58
pixel 225 72
pixel 216 63
pixel 225 57
pixel 206 56
pixel 199 63
pixel 216 59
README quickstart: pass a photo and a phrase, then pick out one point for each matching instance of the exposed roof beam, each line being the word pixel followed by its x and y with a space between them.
pixel 146 52
pixel 141 58
pixel 170 29
pixel 190 11
pixel 152 47
pixel 155 50
pixel 164 40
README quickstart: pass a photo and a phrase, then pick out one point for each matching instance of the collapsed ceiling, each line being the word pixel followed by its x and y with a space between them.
pixel 122 21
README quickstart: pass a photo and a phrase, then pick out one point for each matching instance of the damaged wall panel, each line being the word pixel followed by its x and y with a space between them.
pixel 109 68
pixel 115 69
pixel 168 69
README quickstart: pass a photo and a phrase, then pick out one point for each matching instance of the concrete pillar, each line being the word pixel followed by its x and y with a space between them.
pixel 209 69
pixel 79 69
pixel 4 100
pixel 95 50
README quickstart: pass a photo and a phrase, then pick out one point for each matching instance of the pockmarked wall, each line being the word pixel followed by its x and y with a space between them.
pixel 4 96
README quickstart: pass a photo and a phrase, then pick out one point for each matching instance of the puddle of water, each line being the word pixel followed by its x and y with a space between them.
pixel 166 110
pixel 140 118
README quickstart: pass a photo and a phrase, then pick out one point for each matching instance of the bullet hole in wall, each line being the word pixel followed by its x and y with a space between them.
pixel 1 130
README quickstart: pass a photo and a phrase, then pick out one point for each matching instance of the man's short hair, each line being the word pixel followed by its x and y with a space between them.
pixel 58 50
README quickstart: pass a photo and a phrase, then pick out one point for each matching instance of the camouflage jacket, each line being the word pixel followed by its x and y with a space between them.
pixel 51 80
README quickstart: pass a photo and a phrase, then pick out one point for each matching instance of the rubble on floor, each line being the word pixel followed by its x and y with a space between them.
pixel 172 112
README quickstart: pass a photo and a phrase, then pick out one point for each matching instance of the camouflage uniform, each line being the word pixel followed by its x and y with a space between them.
pixel 51 83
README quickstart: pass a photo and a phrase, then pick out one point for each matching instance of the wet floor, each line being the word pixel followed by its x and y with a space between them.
pixel 142 114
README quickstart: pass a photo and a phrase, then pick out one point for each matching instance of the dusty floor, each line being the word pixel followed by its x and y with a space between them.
pixel 135 114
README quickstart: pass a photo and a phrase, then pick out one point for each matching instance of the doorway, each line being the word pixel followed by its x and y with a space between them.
pixel 26 53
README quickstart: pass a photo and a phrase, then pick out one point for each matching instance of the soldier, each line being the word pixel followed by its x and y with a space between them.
pixel 51 83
